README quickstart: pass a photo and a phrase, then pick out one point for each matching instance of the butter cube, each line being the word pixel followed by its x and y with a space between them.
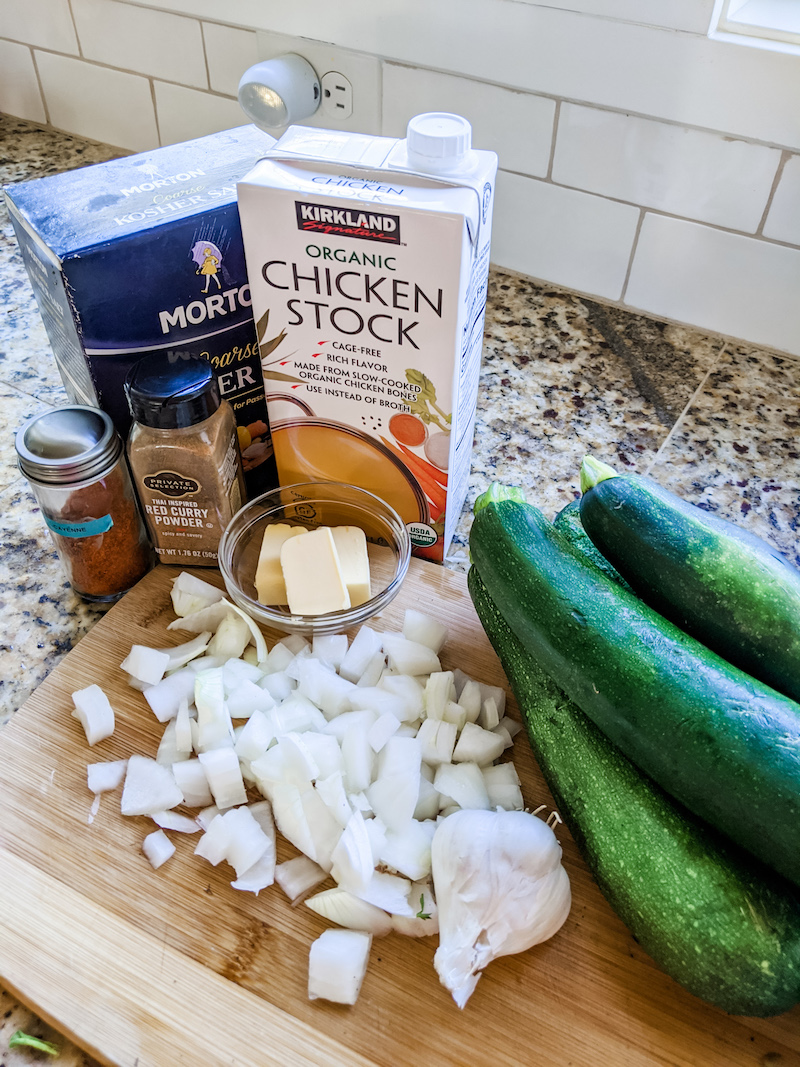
pixel 351 546
pixel 269 583
pixel 313 576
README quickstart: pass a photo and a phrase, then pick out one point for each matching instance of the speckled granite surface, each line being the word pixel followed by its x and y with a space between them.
pixel 712 419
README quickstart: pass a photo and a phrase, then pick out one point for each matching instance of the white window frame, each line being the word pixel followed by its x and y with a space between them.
pixel 770 24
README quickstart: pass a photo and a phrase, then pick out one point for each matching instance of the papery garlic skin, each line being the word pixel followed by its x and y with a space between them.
pixel 500 888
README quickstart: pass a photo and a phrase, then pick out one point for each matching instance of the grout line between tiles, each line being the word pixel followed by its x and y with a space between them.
pixel 723 350
pixel 42 94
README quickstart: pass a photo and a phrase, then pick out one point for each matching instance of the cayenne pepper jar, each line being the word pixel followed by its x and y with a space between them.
pixel 184 455
pixel 74 461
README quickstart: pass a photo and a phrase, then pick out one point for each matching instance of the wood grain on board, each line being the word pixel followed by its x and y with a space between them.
pixel 146 968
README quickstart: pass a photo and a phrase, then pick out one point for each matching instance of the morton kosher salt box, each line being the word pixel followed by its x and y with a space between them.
pixel 144 254
pixel 369 258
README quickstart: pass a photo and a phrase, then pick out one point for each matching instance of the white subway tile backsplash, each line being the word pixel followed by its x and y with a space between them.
pixel 140 40
pixel 693 173
pixel 783 220
pixel 45 23
pixel 97 102
pixel 562 236
pixel 184 114
pixel 230 51
pixel 518 126
pixel 719 281
pixel 682 77
pixel 19 90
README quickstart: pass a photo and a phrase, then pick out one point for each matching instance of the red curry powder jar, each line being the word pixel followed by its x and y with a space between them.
pixel 75 463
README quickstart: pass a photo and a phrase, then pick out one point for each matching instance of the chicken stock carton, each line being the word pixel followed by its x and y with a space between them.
pixel 368 260
pixel 144 254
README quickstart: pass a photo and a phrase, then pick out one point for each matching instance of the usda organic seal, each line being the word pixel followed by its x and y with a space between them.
pixel 422 535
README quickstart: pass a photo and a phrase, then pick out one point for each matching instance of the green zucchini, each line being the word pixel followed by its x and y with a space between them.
pixel 722 925
pixel 723 744
pixel 568 521
pixel 724 586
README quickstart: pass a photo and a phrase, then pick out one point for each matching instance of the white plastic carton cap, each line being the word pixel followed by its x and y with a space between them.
pixel 438 142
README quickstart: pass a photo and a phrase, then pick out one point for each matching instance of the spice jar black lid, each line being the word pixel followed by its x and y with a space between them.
pixel 170 391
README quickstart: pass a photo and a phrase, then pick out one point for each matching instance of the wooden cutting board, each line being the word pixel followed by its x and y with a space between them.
pixel 172 967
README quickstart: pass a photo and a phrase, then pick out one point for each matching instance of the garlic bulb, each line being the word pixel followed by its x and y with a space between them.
pixel 500 888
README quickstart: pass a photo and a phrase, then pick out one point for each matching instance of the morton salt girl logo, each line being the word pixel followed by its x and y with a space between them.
pixel 208 259
pixel 347 222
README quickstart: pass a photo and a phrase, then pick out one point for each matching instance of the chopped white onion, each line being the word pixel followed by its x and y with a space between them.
pixel 158 848
pixel 146 665
pixel 190 594
pixel 172 820
pixel 298 876
pixel 94 712
pixel 149 787
pixel 337 963
pixel 424 630
pixel 224 777
pixel 103 777
pixel 166 697
pixel 346 909
pixel 192 782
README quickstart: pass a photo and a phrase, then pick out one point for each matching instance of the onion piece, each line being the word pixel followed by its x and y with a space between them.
pixel 158 848
pixel 94 712
pixel 179 655
pixel 208 618
pixel 247 842
pixel 410 657
pixel 470 700
pixel 149 787
pixel 221 766
pixel 255 738
pixel 389 892
pixel 166 696
pixel 298 876
pixel 104 777
pixel 255 634
pixel 213 845
pixel 189 594
pixel 172 820
pixel 345 909
pixel 477 745
pixel 146 665
pixel 192 782
pixel 231 637
pixel 409 851
pixel 352 860
pixel 424 630
pixel 330 649
pixel 463 784
pixel 168 751
pixel 337 963
pixel 260 876
pixel 183 730
pixel 363 647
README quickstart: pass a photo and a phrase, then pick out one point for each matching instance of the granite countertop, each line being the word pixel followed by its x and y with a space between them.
pixel 714 420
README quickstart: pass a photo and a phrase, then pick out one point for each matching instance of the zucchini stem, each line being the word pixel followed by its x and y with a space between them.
pixel 594 471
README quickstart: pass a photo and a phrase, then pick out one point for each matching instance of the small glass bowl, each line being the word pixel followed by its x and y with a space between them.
pixel 313 504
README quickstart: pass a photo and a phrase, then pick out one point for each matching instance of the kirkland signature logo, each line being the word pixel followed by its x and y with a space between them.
pixel 346 222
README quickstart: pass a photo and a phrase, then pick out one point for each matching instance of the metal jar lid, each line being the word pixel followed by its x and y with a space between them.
pixel 67 445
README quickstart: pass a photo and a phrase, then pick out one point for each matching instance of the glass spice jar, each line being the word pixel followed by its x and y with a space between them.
pixel 74 461
pixel 184 455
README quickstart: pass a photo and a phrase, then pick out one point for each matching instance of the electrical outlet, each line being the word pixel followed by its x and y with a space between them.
pixel 337 95
pixel 358 75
